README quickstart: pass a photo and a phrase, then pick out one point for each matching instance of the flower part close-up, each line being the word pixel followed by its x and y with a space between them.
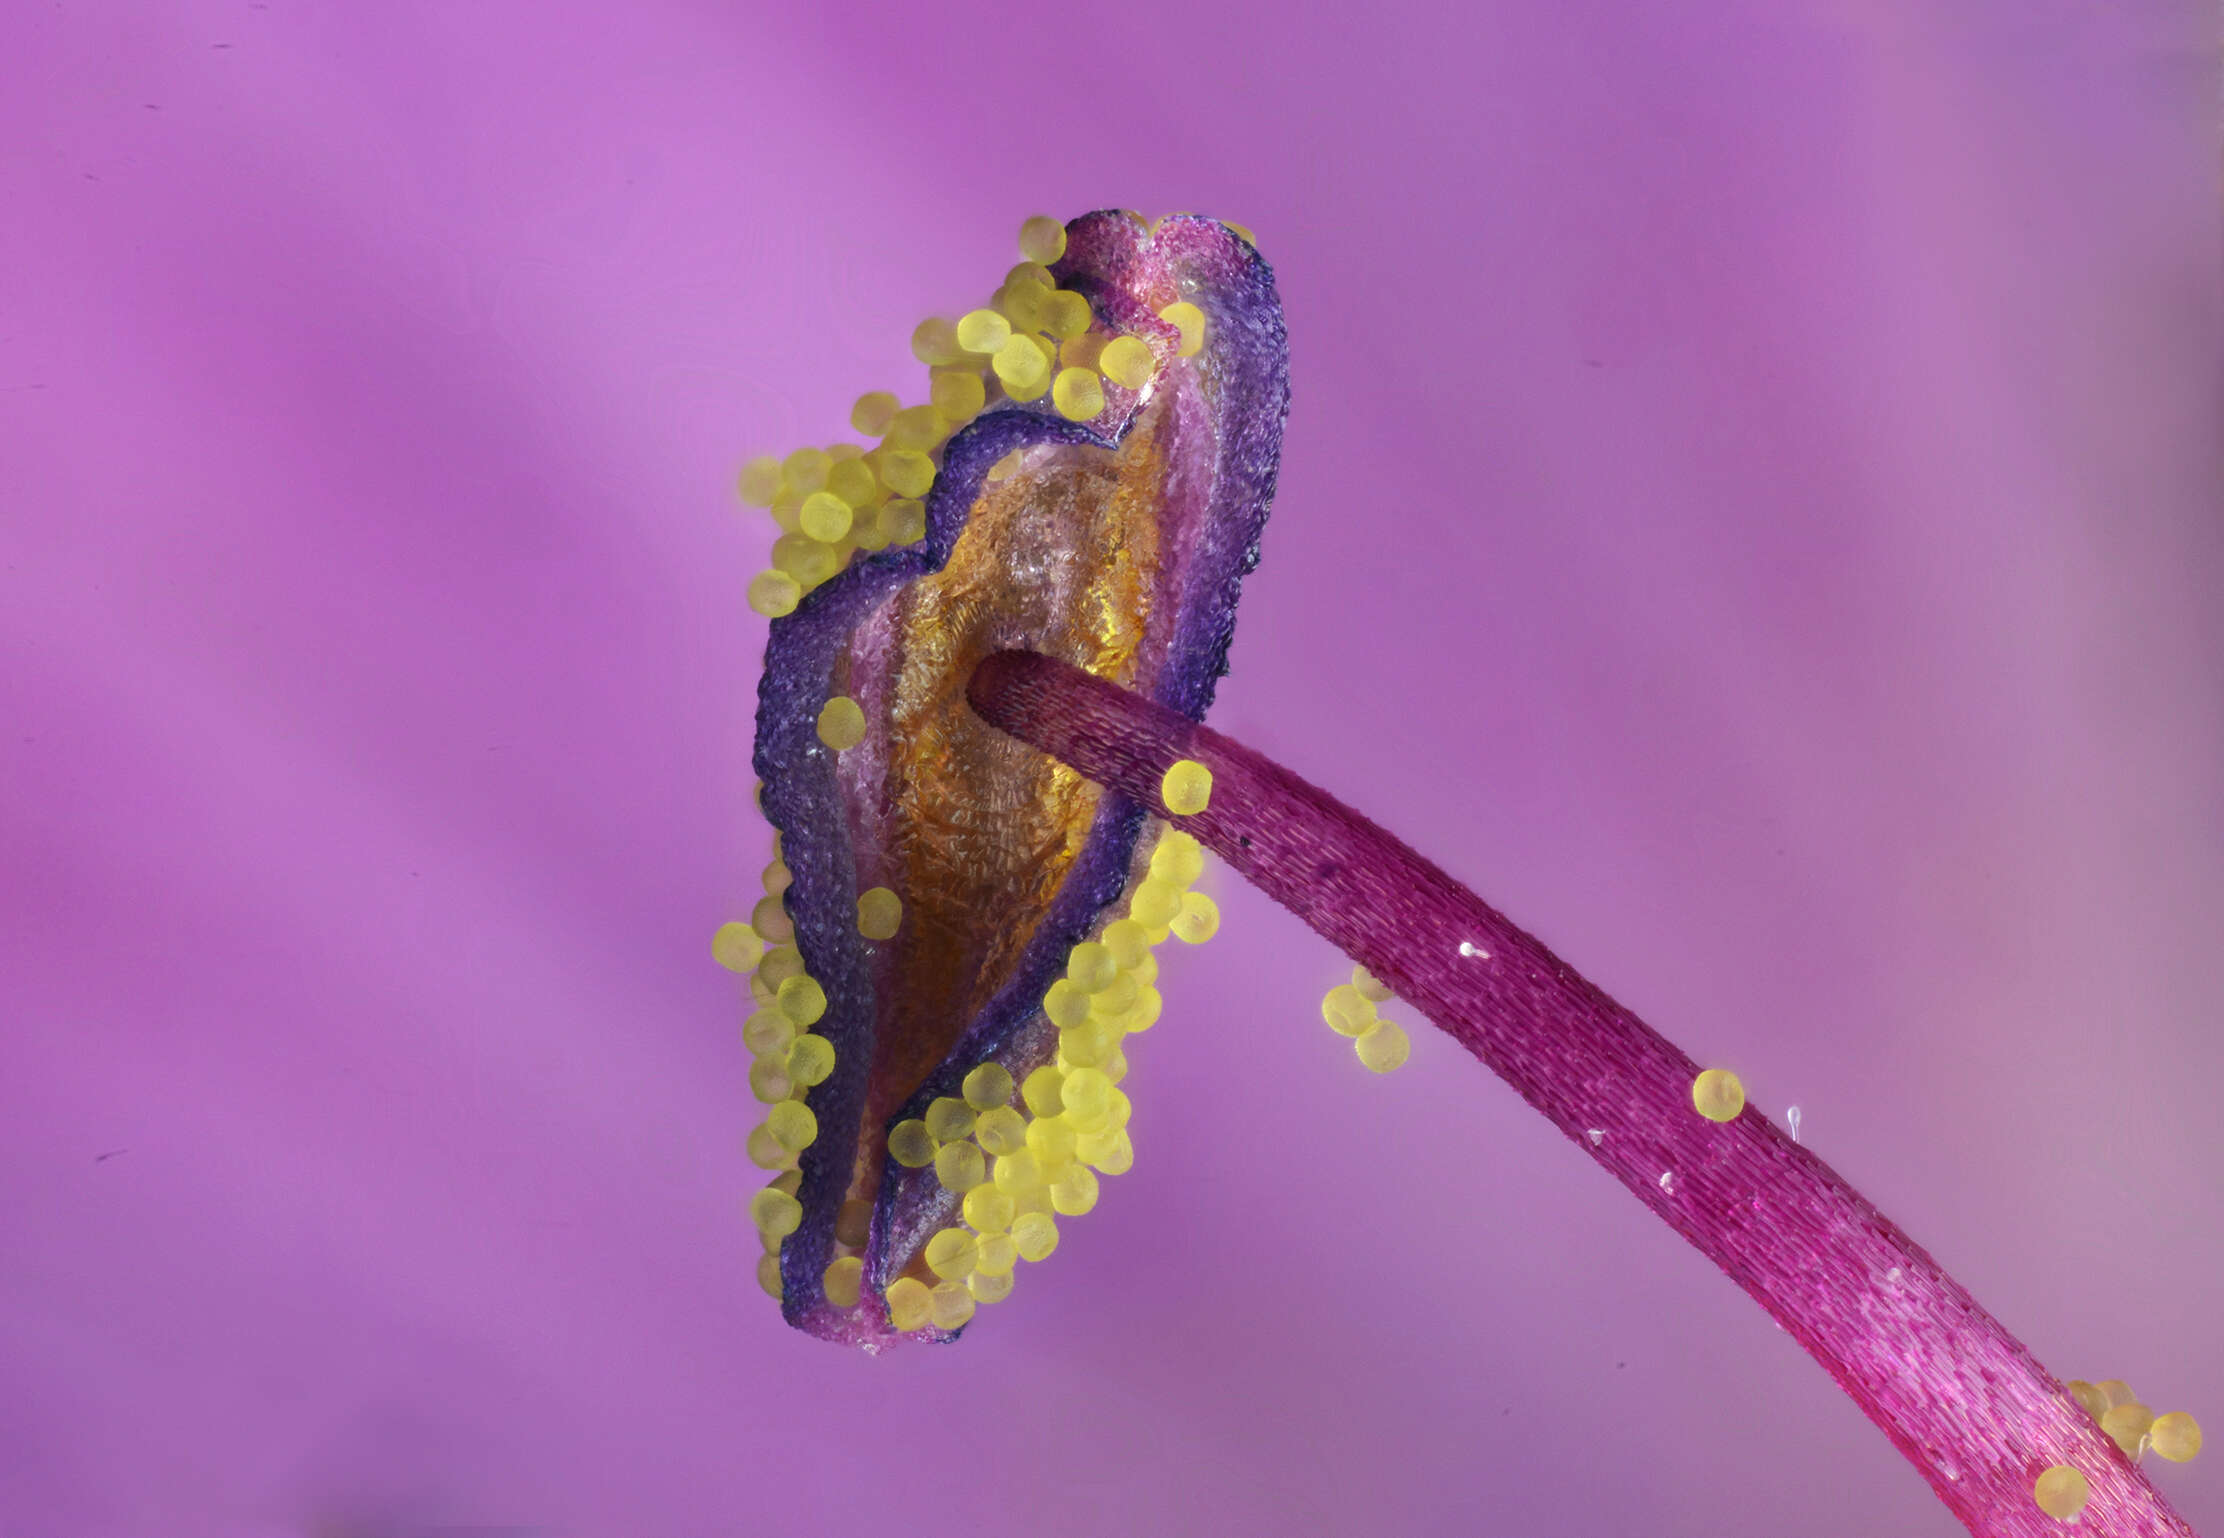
pixel 960 930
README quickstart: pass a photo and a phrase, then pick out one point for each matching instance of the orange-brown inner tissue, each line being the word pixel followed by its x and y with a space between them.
pixel 1061 558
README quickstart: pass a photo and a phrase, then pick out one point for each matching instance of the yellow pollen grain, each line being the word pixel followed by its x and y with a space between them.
pixel 1073 1190
pixel 793 1124
pixel 842 723
pixel 768 1276
pixel 802 1000
pixel 1066 315
pixel 736 947
pixel 1044 1091
pixel 2126 1424
pixel 808 560
pixel 995 1255
pixel 1022 303
pixel 906 521
pixel 1347 1011
pixel 775 1212
pixel 1051 1140
pixel 1178 858
pixel 785 513
pixel 960 1167
pixel 1042 239
pixel 2176 1436
pixel 1083 351
pixel 1086 1045
pixel 1190 321
pixel 907 472
pixel 910 1144
pixel 958 394
pixel 1030 272
pixel 951 1253
pixel 1077 394
pixel 989 1210
pixel 950 1306
pixel 873 412
pixel 1115 1066
pixel 1143 1013
pixel 1155 903
pixel 2061 1492
pixel 1128 361
pixel 983 331
pixel 776 877
pixel 950 1118
pixel 1242 232
pixel 1128 942
pixel 1115 998
pixel 1090 967
pixel 1007 467
pixel 1022 365
pixel 825 517
pixel 1383 1046
pixel 760 481
pixel 1066 1004
pixel 867 531
pixel 935 343
pixel 1002 1131
pixel 2116 1391
pixel 769 1081
pixel 1108 1153
pixel 989 1286
pixel 1035 1235
pixel 781 963
pixel 907 1303
pixel 841 1281
pixel 769 1032
pixel 917 427
pixel 1186 788
pixel 2088 1397
pixel 1718 1095
pixel 805 470
pixel 1019 1175
pixel 988 1087
pixel 774 593
pixel 766 1150
pixel 1370 987
pixel 1088 1092
pixel 1198 920
pixel 879 914
pixel 854 482
pixel 811 1060
pixel 770 919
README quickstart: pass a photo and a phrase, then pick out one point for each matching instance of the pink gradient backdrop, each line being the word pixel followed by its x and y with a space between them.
pixel 1750 508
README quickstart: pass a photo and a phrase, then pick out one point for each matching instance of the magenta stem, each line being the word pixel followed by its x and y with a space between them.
pixel 1958 1394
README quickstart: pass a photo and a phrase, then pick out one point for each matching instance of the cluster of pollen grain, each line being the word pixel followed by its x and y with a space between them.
pixel 1031 339
pixel 2061 1492
pixel 788 1060
pixel 2131 1425
pixel 1349 1008
pixel 1021 1156
pixel 1718 1095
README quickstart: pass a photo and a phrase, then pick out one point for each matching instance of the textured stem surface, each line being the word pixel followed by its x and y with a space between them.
pixel 1958 1394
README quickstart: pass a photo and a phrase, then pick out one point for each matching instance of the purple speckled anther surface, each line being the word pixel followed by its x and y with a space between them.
pixel 1955 1392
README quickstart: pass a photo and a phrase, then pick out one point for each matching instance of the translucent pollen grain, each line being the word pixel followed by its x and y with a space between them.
pixel 1043 1091
pixel 2176 1436
pixel 1002 1131
pixel 1066 316
pixel 793 1123
pixel 950 1118
pixel 736 947
pixel 841 723
pixel 988 1087
pixel 776 1213
pixel 1090 966
pixel 768 1276
pixel 1370 987
pixel 989 1209
pixel 879 913
pixel 950 1306
pixel 911 1145
pixel 907 1303
pixel 907 472
pixel 1128 360
pixel 2094 1402
pixel 1035 1235
pixel 760 481
pixel 1186 788
pixel 1077 394
pixel 774 593
pixel 1042 239
pixel 989 1286
pixel 2061 1492
pixel 983 331
pixel 802 1000
pixel 873 412
pixel 1198 920
pixel 1383 1046
pixel 1718 1095
pixel 841 1281
pixel 934 342
pixel 1347 1011
pixel 824 516
pixel 1190 321
pixel 960 1167
pixel 2126 1424
pixel 2116 1391
pixel 811 1061
pixel 951 1253
pixel 958 394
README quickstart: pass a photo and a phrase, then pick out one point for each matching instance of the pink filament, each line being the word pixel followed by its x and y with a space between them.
pixel 1958 1394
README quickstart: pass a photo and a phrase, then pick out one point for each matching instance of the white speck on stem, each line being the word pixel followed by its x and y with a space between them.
pixel 1668 1181
pixel 1791 1119
pixel 1471 949
pixel 1597 1135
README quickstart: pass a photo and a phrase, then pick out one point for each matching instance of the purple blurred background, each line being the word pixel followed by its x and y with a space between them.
pixel 1750 508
